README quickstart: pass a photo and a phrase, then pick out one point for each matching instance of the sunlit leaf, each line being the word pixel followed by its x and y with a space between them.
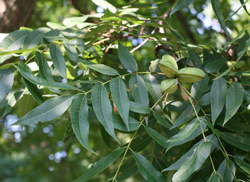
pixel 70 22
pixel 105 5
pixel 12 42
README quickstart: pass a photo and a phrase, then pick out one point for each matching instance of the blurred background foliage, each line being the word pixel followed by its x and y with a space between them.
pixel 41 152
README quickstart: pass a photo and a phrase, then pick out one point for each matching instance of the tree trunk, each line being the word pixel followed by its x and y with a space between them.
pixel 15 13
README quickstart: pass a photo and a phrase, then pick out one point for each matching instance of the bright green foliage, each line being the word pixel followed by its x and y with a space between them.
pixel 89 66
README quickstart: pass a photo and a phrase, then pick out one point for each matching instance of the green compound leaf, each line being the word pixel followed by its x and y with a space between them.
pixel 234 98
pixel 39 81
pixel 100 165
pixel 6 82
pixel 12 42
pixel 153 87
pixel 147 170
pixel 58 60
pixel 217 10
pixel 34 38
pixel 227 170
pixel 243 165
pixel 34 91
pixel 139 90
pixel 181 4
pixel 193 163
pixel 238 141
pixel 103 108
pixel 215 177
pixel 47 111
pixel 120 98
pixel 126 58
pixel 160 139
pixel 106 70
pixel 218 97
pixel 79 120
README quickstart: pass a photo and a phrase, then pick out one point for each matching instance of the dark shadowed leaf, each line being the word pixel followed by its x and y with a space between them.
pixel 120 98
pixel 79 119
pixel 34 91
pixel 6 82
pixel 238 141
pixel 181 4
pixel 147 170
pixel 218 97
pixel 185 116
pixel 234 99
pixel 100 165
pixel 47 111
pixel 243 165
pixel 139 90
pixel 120 125
pixel 193 163
pixel 215 177
pixel 126 58
pixel 160 139
pixel 199 87
pixel 162 120
pixel 103 108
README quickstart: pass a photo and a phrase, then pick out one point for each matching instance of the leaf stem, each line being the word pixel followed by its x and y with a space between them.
pixel 128 146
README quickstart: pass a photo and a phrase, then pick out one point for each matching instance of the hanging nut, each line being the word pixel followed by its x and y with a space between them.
pixel 168 66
